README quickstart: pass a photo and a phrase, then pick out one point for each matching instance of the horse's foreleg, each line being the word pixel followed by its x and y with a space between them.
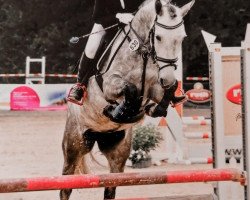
pixel 128 111
pixel 161 102
pixel 116 149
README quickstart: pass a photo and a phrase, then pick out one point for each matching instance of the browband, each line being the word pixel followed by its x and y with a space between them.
pixel 169 27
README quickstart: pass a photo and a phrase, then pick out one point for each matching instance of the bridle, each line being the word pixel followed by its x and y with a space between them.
pixel 149 50
pixel 146 50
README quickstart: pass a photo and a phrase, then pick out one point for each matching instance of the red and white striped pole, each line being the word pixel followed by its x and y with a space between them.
pixel 202 122
pixel 119 179
pixel 197 135
pixel 195 117
pixel 197 78
pixel 201 160
pixel 40 75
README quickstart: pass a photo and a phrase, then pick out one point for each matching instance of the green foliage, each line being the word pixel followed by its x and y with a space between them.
pixel 145 139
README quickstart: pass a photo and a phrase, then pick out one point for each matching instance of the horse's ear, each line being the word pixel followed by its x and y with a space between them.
pixel 158 7
pixel 186 8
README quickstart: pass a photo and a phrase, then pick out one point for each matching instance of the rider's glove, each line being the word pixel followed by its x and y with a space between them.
pixel 124 18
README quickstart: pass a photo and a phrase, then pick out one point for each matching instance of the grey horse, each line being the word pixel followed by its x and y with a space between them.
pixel 133 85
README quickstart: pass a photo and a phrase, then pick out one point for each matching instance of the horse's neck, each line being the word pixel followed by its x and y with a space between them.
pixel 142 24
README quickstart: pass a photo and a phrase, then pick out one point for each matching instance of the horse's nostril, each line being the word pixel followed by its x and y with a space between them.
pixel 161 81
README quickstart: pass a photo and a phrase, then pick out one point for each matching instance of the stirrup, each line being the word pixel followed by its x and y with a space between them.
pixel 80 103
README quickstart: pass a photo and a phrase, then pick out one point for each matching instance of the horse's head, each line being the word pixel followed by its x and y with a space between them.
pixel 168 33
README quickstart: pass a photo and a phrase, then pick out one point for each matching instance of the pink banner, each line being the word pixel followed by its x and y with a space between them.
pixel 24 98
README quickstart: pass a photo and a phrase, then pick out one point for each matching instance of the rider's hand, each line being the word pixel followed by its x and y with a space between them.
pixel 124 18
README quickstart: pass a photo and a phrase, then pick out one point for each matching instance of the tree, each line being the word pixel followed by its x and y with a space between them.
pixel 42 28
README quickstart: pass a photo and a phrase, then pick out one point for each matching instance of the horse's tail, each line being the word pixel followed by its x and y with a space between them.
pixel 89 162
pixel 93 158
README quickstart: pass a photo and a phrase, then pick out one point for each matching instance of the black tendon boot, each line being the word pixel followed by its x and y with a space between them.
pixel 78 92
pixel 128 111
pixel 174 100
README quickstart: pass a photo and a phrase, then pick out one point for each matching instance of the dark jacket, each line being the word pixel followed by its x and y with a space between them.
pixel 106 10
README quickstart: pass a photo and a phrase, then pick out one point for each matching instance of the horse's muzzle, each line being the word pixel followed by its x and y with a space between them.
pixel 167 84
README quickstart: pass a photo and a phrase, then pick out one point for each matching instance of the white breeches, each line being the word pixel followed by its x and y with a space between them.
pixel 94 41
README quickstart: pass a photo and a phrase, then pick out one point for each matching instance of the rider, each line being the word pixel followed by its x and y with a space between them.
pixel 106 13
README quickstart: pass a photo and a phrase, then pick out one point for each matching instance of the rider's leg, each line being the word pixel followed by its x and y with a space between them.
pixel 170 95
pixel 86 68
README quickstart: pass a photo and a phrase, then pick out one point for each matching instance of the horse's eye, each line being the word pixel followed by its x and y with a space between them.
pixel 158 37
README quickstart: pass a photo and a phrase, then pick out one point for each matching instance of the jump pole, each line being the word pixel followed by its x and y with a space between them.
pixel 197 135
pixel 199 78
pixel 119 179
pixel 39 75
pixel 245 77
pixel 202 122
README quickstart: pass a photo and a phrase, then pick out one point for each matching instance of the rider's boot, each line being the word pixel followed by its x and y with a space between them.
pixel 78 92
pixel 175 100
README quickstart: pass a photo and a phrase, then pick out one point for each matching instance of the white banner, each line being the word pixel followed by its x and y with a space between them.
pixel 33 97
